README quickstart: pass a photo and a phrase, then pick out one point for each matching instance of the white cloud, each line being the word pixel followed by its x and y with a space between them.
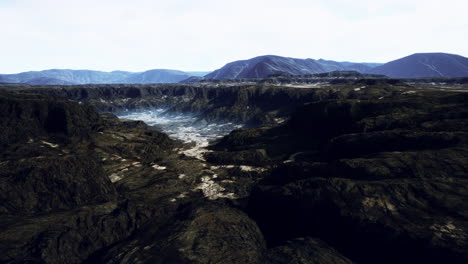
pixel 205 34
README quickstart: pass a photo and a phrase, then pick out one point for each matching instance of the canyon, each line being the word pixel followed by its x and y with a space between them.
pixel 337 168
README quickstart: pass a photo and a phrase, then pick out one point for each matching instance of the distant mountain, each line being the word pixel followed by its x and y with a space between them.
pixel 198 73
pixel 70 76
pixel 425 65
pixel 333 66
pixel 193 79
pixel 66 77
pixel 263 66
pixel 47 81
pixel 158 76
pixel 345 74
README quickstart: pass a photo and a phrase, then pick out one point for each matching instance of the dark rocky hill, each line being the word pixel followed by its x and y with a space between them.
pixel 425 65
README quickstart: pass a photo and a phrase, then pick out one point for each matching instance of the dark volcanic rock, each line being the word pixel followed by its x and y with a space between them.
pixel 305 251
pixel 58 203
pixel 45 184
pixel 376 170
pixel 78 187
pixel 66 237
pixel 206 234
pixel 380 180
pixel 23 117
pixel 39 172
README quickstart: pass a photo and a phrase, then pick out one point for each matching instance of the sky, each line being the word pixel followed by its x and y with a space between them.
pixel 204 35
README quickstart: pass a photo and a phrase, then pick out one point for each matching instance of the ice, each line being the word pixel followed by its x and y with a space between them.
pixel 49 144
pixel 184 127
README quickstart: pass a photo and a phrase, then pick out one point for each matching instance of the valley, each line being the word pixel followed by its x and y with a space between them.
pixel 233 132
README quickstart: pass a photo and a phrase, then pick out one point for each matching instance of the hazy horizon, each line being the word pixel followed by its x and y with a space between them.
pixel 204 35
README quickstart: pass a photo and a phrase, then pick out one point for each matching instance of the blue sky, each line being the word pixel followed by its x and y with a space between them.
pixel 194 35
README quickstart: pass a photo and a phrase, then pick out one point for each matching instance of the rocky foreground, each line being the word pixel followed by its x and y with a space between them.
pixel 378 175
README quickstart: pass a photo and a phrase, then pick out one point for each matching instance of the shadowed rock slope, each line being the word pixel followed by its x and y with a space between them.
pixel 382 181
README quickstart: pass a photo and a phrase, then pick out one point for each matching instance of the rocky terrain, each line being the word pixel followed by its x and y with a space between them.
pixel 82 187
pixel 382 180
pixel 360 171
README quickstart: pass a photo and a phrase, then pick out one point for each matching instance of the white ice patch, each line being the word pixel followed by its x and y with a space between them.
pixel 157 167
pixel 280 120
pixel 213 190
pixel 251 168
pixel 49 144
pixel 223 166
pixel 114 177
pixel 196 152
pixel 360 88
pixel 136 164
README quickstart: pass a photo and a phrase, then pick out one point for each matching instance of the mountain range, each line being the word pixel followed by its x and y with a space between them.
pixel 418 65
pixel 66 77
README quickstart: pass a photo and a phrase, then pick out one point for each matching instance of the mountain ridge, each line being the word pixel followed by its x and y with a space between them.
pixel 68 76
pixel 263 66
pixel 418 65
